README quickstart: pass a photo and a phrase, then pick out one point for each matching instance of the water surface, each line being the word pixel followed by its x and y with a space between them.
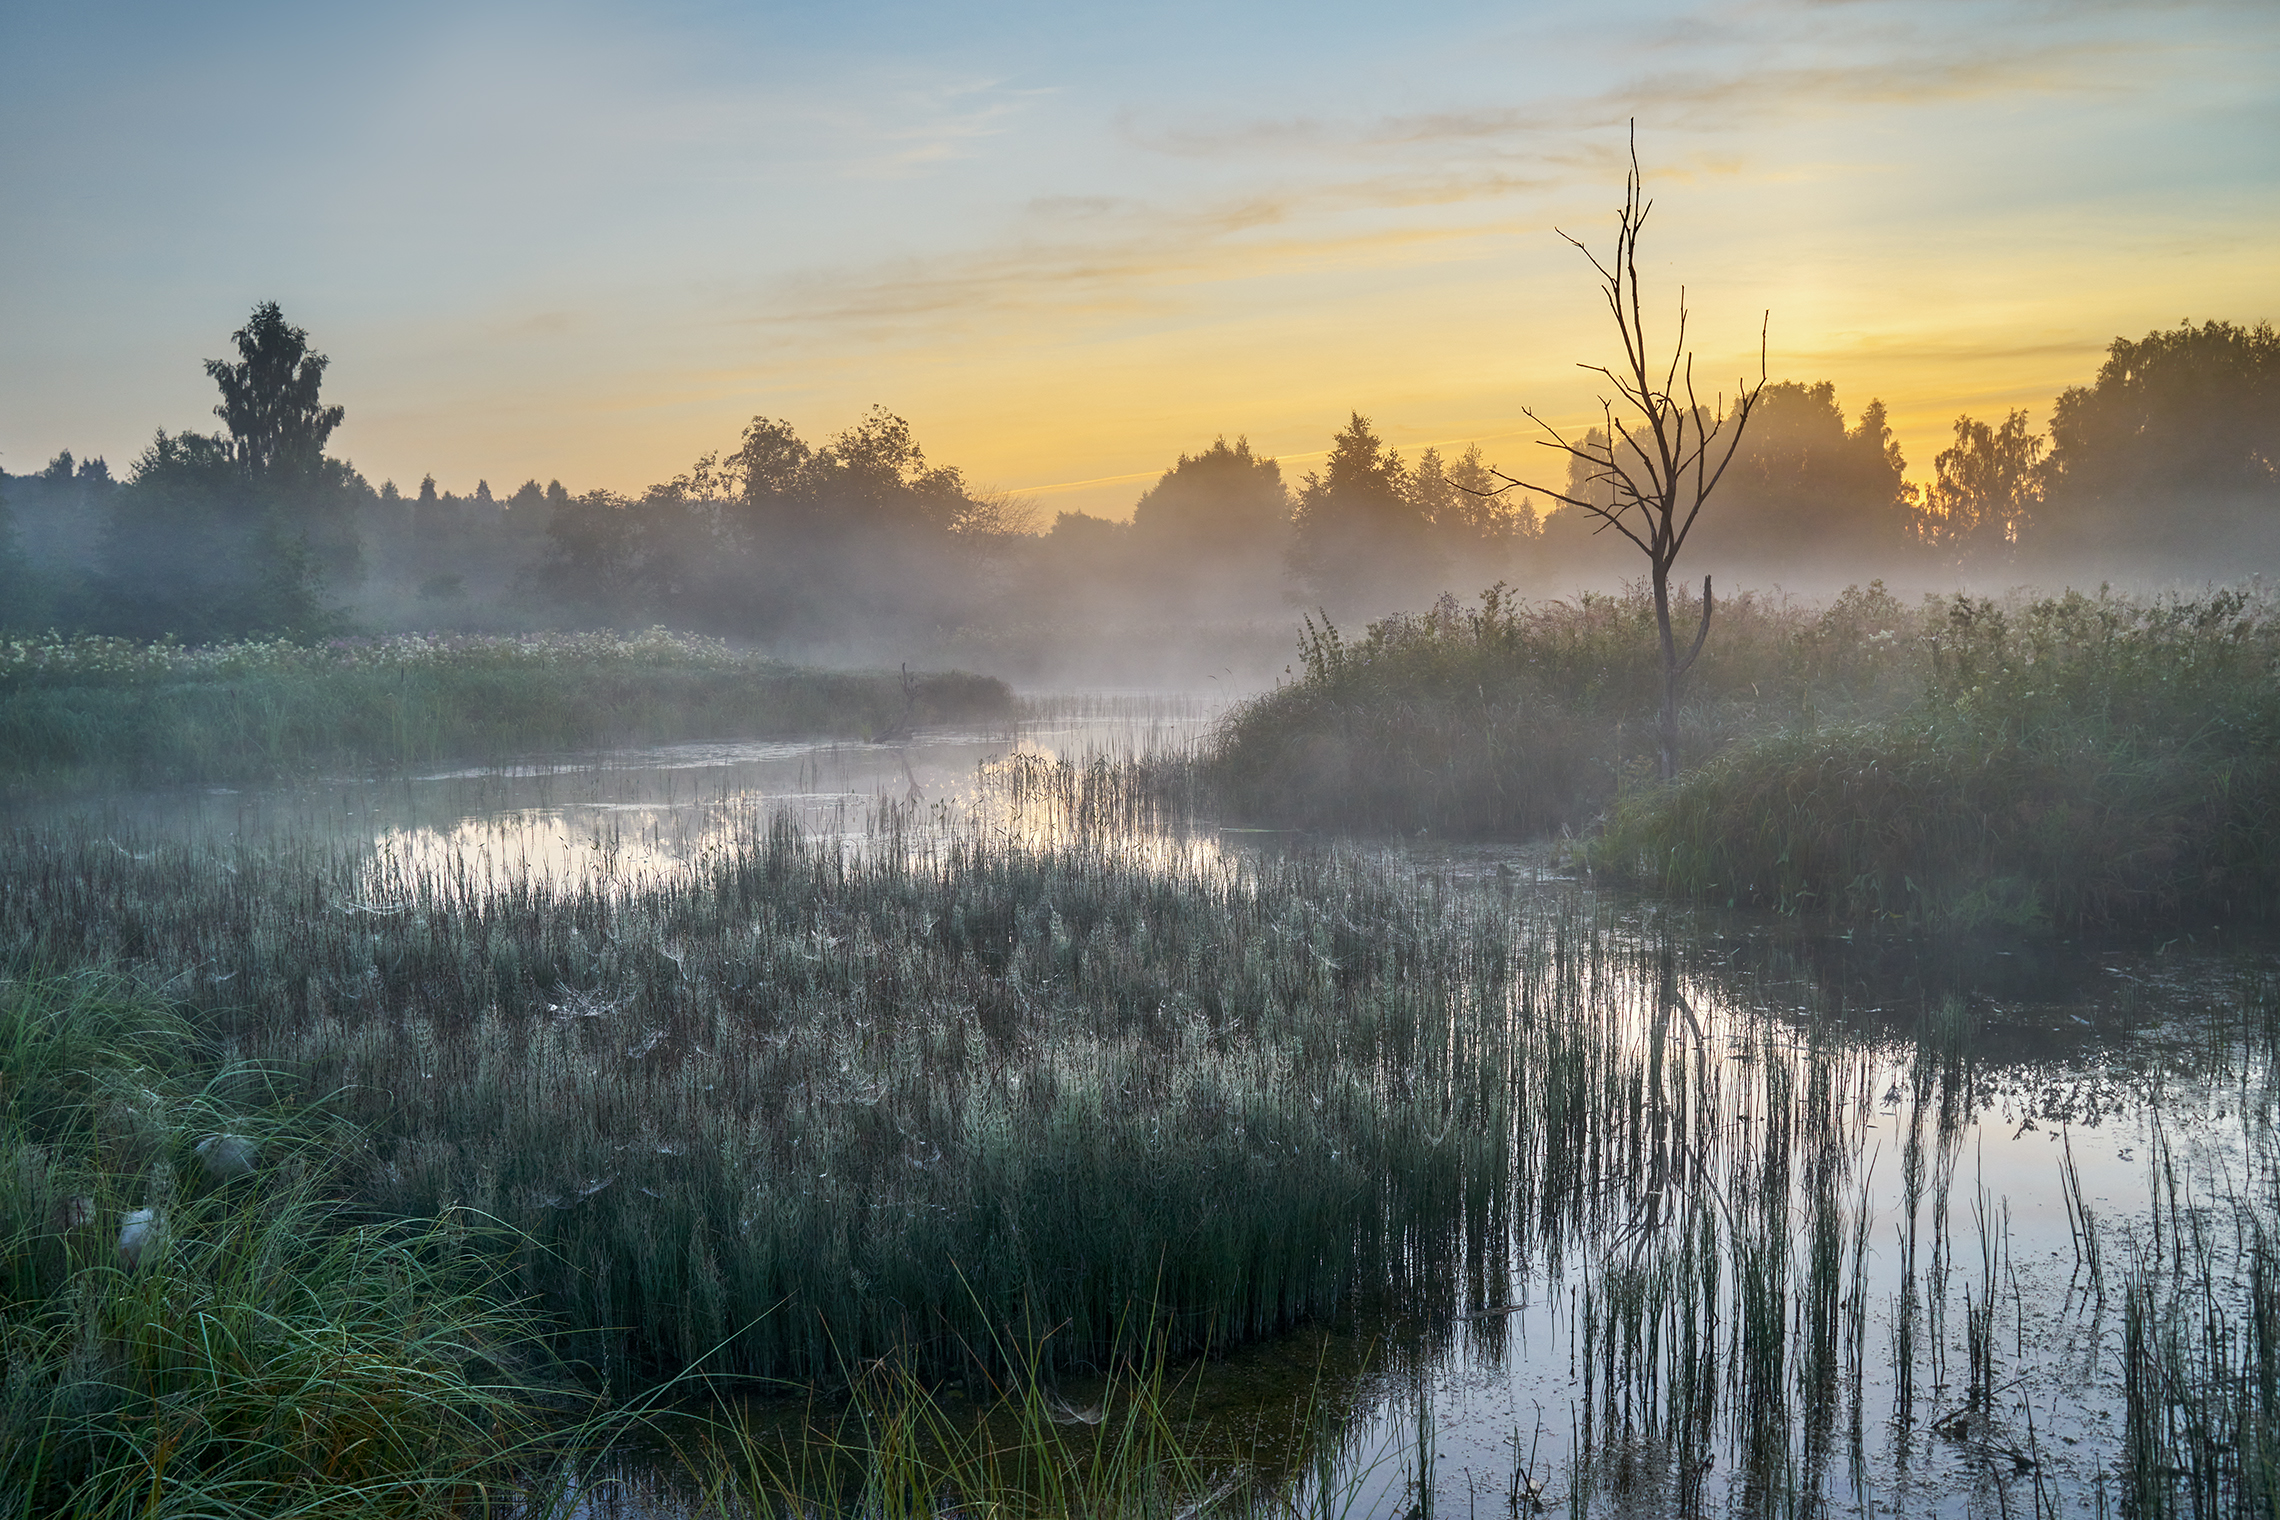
pixel 1995 1138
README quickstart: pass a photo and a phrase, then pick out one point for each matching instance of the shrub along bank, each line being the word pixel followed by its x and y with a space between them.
pixel 87 712
pixel 1960 761
pixel 2070 760
pixel 1521 719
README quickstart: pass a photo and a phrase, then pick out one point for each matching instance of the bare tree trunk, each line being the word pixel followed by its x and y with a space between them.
pixel 1666 728
pixel 1674 668
pixel 1653 467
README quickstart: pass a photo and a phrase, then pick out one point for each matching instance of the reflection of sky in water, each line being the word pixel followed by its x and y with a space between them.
pixel 2058 1067
pixel 1507 1377
pixel 623 817
pixel 2091 1050
pixel 2118 1085
pixel 639 816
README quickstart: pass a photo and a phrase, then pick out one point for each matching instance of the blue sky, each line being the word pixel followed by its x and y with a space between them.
pixel 591 241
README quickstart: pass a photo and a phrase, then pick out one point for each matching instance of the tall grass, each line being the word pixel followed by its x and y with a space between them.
pixel 804 1107
pixel 807 1108
pixel 900 1446
pixel 88 712
pixel 1526 718
pixel 2071 760
pixel 2032 763
pixel 989 1110
pixel 265 1352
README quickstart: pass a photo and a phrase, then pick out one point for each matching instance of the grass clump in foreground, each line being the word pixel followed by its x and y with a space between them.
pixel 261 1350
pixel 2070 760
pixel 1523 719
pixel 271 1351
pixel 899 1445
pixel 98 711
pixel 797 1109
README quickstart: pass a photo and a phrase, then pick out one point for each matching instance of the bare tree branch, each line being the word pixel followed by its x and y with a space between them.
pixel 1661 458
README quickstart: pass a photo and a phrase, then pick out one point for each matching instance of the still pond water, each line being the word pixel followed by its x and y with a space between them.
pixel 2020 1131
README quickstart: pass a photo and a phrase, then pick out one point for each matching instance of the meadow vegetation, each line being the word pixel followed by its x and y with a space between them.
pixel 976 1115
pixel 91 711
pixel 1525 718
pixel 2024 763
pixel 2069 760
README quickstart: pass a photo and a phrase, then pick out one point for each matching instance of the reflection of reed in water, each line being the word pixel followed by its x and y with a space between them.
pixel 794 1105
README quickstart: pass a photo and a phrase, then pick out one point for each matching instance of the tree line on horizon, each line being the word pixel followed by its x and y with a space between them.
pixel 2166 464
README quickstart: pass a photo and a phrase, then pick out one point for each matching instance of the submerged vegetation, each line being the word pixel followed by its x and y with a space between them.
pixel 91 711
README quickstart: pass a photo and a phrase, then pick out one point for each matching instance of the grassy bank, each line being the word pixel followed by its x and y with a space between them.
pixel 1523 719
pixel 1956 762
pixel 90 712
pixel 179 1342
pixel 2068 761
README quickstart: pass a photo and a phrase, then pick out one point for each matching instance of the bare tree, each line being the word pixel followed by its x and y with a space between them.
pixel 1648 471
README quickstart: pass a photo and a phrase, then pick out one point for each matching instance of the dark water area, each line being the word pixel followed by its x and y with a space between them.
pixel 1947 1193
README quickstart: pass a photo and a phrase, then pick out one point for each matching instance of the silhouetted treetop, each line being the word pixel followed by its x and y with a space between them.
pixel 1988 487
pixel 2174 449
pixel 771 462
pixel 872 475
pixel 86 472
pixel 1804 486
pixel 1360 472
pixel 269 397
pixel 1218 500
pixel 1357 531
pixel 1460 498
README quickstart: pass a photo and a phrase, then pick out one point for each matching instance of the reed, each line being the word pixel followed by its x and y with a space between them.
pixel 1527 718
pixel 1134 1443
pixel 264 1351
pixel 801 1107
pixel 2073 760
pixel 984 1111
pixel 2024 764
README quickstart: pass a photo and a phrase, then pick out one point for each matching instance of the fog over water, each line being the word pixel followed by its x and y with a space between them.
pixel 1666 916
pixel 2106 1057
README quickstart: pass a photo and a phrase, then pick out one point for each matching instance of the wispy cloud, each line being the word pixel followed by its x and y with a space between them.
pixel 1736 73
pixel 1121 254
pixel 938 125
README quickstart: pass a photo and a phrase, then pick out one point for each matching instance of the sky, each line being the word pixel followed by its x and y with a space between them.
pixel 590 242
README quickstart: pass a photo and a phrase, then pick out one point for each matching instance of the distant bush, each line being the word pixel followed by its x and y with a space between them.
pixel 90 711
pixel 2071 760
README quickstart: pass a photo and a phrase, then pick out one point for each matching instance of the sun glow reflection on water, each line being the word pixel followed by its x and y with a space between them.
pixel 2117 1060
